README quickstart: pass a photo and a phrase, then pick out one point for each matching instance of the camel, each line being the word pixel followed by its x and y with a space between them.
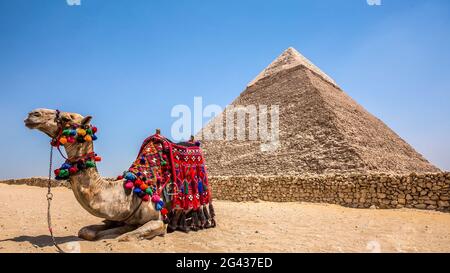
pixel 126 216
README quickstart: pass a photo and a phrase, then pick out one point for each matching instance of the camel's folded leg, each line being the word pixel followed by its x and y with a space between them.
pixel 114 232
pixel 147 231
pixel 90 232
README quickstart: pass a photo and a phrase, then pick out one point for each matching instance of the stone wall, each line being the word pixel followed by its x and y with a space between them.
pixel 423 191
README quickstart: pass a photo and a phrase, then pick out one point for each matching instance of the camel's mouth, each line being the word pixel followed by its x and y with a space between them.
pixel 31 124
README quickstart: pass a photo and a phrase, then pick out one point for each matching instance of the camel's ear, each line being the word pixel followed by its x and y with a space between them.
pixel 86 120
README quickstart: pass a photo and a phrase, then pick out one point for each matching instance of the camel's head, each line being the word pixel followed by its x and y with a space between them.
pixel 49 121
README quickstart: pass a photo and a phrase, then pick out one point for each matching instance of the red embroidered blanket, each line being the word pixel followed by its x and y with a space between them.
pixel 172 175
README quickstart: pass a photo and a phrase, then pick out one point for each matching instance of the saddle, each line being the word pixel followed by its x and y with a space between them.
pixel 174 175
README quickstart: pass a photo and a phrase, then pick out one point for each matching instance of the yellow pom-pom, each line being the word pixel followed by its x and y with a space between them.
pixel 88 138
pixel 81 132
pixel 63 140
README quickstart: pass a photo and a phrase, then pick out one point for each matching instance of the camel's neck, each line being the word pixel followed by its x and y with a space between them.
pixel 101 198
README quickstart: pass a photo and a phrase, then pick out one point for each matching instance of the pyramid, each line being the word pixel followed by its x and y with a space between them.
pixel 321 129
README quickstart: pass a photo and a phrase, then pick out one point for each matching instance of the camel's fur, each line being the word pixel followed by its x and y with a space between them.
pixel 102 198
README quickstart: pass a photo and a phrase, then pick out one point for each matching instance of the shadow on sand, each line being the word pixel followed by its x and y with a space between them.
pixel 42 240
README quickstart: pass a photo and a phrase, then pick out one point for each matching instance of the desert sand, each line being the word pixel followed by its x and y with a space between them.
pixel 242 227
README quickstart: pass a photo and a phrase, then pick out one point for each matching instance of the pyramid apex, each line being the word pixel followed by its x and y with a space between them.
pixel 288 59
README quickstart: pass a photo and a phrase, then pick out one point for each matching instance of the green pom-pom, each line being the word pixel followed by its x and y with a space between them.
pixel 66 132
pixel 163 163
pixel 149 191
pixel 89 131
pixel 90 164
pixel 63 173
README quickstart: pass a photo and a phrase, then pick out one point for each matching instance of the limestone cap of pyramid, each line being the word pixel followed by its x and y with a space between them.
pixel 288 59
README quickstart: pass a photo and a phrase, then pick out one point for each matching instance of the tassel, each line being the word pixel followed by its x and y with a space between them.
pixel 186 187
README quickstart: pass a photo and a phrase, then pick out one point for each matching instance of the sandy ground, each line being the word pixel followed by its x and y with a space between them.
pixel 242 227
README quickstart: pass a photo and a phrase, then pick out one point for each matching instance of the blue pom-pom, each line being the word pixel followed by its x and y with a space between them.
pixel 197 143
pixel 161 202
pixel 73 132
pixel 94 137
pixel 139 174
pixel 130 176
pixel 158 206
pixel 66 166
pixel 137 190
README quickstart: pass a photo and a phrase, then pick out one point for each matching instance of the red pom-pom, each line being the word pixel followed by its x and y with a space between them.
pixel 71 139
pixel 98 159
pixel 138 183
pixel 57 172
pixel 129 185
pixel 94 129
pixel 145 198
pixel 120 177
pixel 164 211
pixel 73 170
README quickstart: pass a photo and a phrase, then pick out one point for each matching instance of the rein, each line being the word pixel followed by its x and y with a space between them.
pixel 50 194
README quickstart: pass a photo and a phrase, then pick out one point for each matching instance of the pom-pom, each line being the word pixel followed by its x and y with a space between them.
pixel 63 174
pixel 94 137
pixel 145 198
pixel 143 186
pixel 155 198
pixel 94 129
pixel 73 170
pixel 164 211
pixel 137 190
pixel 149 191
pixel 90 164
pixel 161 202
pixel 73 132
pixel 197 143
pixel 130 176
pixel 158 207
pixel 71 139
pixel 66 166
pixel 63 140
pixel 138 183
pixel 80 139
pixel 120 177
pixel 98 159
pixel 129 185
pixel 81 132
pixel 88 138
pixel 81 165
pixel 66 132
pixel 57 172
pixel 89 131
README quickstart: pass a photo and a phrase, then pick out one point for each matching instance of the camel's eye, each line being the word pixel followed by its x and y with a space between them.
pixel 65 119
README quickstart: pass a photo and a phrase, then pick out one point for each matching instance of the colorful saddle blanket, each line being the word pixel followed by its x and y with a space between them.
pixel 173 176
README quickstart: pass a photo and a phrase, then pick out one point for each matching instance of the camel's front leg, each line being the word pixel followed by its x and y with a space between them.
pixel 114 232
pixel 147 231
pixel 90 232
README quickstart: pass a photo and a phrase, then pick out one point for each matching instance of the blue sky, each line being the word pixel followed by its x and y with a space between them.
pixel 128 63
